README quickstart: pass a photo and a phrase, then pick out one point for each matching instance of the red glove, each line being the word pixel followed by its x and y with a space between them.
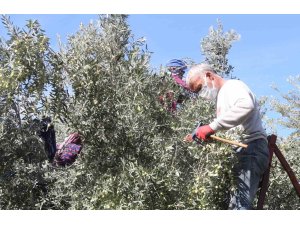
pixel 204 132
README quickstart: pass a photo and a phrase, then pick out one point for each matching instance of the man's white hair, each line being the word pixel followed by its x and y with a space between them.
pixel 198 71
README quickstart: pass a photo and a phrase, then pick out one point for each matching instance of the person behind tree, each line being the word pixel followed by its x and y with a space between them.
pixel 236 106
pixel 177 69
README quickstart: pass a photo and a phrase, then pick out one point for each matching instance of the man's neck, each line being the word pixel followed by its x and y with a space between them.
pixel 219 82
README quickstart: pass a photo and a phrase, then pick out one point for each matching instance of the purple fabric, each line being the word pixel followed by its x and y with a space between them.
pixel 68 154
pixel 68 151
pixel 72 138
pixel 180 82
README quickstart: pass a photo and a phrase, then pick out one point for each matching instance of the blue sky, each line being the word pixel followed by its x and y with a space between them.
pixel 268 51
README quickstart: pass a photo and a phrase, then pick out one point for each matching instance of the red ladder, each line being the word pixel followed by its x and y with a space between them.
pixel 265 180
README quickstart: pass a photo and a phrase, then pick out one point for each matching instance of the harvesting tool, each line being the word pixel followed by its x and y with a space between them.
pixel 199 141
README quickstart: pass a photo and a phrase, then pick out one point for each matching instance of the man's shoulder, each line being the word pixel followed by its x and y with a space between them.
pixel 235 88
pixel 235 84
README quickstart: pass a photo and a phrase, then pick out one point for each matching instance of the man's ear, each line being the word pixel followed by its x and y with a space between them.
pixel 209 75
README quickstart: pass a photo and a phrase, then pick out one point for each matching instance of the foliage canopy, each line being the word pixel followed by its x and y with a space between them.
pixel 100 84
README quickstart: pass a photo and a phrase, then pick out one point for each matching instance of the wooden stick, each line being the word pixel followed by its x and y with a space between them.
pixel 228 141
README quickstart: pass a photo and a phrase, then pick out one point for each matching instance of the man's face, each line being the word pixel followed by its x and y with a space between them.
pixel 196 84
pixel 175 70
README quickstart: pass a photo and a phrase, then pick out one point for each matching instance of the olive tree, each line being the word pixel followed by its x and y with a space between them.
pixel 24 76
pixel 215 47
pixel 134 157
pixel 134 154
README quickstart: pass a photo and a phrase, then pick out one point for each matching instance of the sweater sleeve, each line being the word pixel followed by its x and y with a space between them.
pixel 180 82
pixel 243 105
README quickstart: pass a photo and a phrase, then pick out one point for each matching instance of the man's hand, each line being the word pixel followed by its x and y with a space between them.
pixel 204 132
pixel 188 138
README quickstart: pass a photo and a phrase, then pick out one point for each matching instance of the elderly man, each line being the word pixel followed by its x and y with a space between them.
pixel 236 106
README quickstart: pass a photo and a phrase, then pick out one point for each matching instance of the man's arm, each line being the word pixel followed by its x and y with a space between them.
pixel 180 82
